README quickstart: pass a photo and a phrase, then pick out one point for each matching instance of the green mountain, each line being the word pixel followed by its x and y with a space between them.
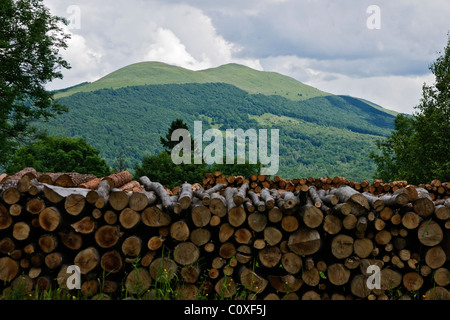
pixel 125 113
pixel 245 78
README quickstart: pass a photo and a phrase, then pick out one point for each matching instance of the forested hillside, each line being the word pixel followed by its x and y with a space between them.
pixel 325 135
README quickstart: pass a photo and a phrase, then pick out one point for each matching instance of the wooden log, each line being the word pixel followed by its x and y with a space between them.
pixel 383 237
pixel 257 202
pixel 375 202
pixel 21 230
pixel 200 236
pixel 118 199
pixel 289 223
pixel 291 262
pixel 244 254
pixel 243 236
pixel 179 231
pixel 304 241
pixel 185 197
pixel 227 250
pixel 358 286
pixel 158 189
pixel 275 215
pixel 50 219
pixel 412 281
pixel 103 190
pixel 395 200
pixel 57 194
pixel 287 201
pixel 430 233
pixel 218 204
pixel 5 218
pixel 154 216
pixel 435 257
pixel 285 284
pixel 424 205
pixel 252 281
pixel 155 242
pixel 9 269
pixel 342 246
pixel 129 218
pixel 107 236
pixel 442 277
pixel 267 197
pixel 310 275
pixel 241 194
pixel 226 230
pixel 190 273
pixel 119 179
pixel 328 199
pixel 226 287
pixel 270 256
pixel 71 240
pixel 47 243
pixel 200 215
pixel 87 259
pixel 140 200
pixel 257 221
pixel 338 274
pixel 35 205
pixel 311 215
pixel 138 281
pixel 411 220
pixel 131 246
pixel 163 268
pixel 110 217
pixel 7 245
pixel 442 212
pixel 85 225
pixel 236 213
pixel 332 224
pixel 111 261
pixel 348 194
pixel 272 236
pixel 186 253
pixel 363 247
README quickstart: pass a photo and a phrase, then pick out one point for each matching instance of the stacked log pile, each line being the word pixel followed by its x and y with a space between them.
pixel 267 239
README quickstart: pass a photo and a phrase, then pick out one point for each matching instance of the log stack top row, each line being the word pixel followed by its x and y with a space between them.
pixel 279 238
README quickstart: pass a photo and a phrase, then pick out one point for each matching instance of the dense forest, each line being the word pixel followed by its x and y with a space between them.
pixel 327 135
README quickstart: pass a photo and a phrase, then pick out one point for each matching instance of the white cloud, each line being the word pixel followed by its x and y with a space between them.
pixel 116 34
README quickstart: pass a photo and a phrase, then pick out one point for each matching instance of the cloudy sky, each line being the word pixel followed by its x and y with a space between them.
pixel 350 47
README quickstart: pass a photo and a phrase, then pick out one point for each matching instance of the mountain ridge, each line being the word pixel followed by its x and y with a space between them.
pixel 154 72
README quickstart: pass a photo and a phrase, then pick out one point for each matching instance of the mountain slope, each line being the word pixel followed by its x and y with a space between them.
pixel 125 113
pixel 245 78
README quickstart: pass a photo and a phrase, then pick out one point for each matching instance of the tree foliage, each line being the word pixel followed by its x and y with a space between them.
pixel 60 154
pixel 30 41
pixel 161 168
pixel 419 147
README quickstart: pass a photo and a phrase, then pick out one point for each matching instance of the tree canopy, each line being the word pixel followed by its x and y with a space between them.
pixel 30 43
pixel 60 154
pixel 419 147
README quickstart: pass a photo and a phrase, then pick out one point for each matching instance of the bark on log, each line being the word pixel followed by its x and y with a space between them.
pixel 236 213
